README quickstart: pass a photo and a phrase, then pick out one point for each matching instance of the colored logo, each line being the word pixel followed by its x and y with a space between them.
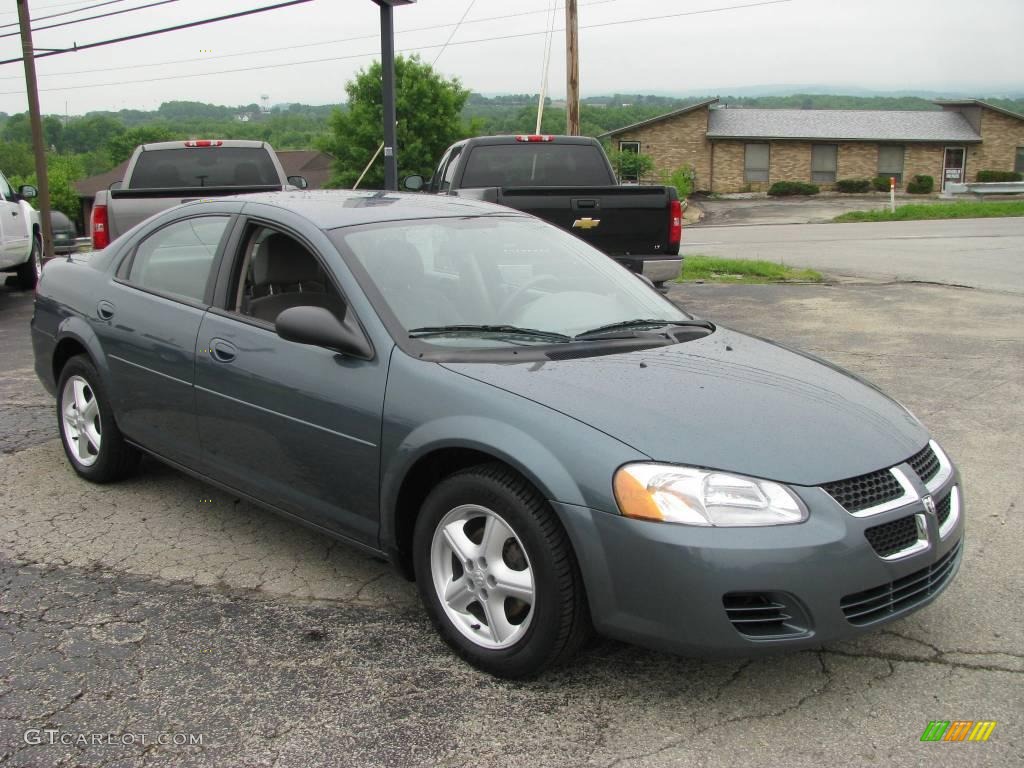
pixel 586 223
pixel 958 730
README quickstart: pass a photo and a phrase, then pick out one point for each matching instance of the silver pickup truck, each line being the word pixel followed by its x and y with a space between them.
pixel 161 176
pixel 21 244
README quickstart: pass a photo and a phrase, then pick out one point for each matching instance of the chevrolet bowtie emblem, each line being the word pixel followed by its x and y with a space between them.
pixel 587 223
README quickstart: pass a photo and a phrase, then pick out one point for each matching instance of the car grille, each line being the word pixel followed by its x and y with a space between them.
pixel 942 508
pixel 895 536
pixel 873 605
pixel 865 491
pixel 925 463
pixel 762 615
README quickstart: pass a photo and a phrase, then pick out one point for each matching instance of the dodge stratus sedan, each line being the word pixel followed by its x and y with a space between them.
pixel 543 442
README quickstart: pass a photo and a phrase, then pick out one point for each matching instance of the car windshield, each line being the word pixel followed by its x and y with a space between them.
pixel 496 280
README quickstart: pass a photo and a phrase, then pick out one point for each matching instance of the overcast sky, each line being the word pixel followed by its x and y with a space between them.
pixel 935 45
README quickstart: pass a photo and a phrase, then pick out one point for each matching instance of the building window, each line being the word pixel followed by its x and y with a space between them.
pixel 1018 165
pixel 627 171
pixel 890 162
pixel 756 162
pixel 823 162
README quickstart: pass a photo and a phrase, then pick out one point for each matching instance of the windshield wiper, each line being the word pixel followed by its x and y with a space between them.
pixel 502 330
pixel 608 331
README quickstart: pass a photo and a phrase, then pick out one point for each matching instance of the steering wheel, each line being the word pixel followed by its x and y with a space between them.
pixel 513 301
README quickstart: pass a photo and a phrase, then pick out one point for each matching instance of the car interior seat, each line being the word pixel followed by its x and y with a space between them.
pixel 289 276
pixel 397 269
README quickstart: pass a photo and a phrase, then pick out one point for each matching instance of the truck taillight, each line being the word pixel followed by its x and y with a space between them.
pixel 534 137
pixel 100 232
pixel 204 143
pixel 675 222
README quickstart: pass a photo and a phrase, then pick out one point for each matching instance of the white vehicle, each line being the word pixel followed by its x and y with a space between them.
pixel 21 240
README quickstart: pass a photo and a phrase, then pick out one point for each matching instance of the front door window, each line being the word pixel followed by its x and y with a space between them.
pixel 953 166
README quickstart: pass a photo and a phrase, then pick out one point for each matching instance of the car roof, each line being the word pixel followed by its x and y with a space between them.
pixel 333 208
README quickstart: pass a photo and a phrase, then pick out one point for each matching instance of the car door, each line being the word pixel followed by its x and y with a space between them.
pixel 295 425
pixel 148 321
pixel 13 230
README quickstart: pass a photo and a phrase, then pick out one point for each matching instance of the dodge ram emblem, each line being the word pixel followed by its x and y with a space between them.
pixel 929 505
pixel 587 223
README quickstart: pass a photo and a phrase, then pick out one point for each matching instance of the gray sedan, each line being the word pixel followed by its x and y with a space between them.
pixel 538 438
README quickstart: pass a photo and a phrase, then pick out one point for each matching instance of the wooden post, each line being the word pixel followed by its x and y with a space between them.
pixel 572 70
pixel 36 120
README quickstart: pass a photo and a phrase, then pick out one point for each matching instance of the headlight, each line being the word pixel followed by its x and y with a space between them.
pixel 673 494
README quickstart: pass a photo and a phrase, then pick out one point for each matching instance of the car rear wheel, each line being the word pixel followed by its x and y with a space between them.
pixel 91 439
pixel 497 574
pixel 30 272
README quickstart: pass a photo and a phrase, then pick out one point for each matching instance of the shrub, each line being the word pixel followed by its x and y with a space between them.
pixel 853 185
pixel 921 185
pixel 631 165
pixel 682 179
pixel 786 188
pixel 880 183
pixel 984 176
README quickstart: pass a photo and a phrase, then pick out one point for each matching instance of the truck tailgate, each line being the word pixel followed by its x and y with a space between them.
pixel 128 207
pixel 619 220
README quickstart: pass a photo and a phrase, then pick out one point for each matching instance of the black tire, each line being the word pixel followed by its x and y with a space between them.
pixel 560 624
pixel 28 273
pixel 115 458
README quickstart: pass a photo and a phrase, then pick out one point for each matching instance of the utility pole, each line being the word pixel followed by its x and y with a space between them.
pixel 572 70
pixel 36 120
pixel 387 65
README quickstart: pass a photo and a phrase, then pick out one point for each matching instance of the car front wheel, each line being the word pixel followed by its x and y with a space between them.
pixel 91 439
pixel 497 573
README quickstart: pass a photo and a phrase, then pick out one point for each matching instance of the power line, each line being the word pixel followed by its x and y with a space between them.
pixel 305 45
pixel 454 30
pixel 55 5
pixel 93 18
pixel 175 28
pixel 67 13
pixel 405 50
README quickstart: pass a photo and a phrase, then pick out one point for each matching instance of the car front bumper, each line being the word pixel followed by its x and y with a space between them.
pixel 717 591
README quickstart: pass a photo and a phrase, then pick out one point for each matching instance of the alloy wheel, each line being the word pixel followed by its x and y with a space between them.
pixel 80 413
pixel 482 576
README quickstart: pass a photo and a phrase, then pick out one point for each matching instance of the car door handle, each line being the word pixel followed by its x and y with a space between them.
pixel 14 213
pixel 105 310
pixel 222 351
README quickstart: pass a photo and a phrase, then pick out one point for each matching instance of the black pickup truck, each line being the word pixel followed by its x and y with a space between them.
pixel 569 182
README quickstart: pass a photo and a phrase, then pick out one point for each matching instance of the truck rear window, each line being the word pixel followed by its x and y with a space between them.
pixel 536 165
pixel 204 167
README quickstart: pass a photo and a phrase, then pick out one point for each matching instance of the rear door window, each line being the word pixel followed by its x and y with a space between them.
pixel 178 259
pixel 537 164
pixel 192 167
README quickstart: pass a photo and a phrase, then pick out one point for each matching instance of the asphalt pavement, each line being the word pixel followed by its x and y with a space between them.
pixel 980 253
pixel 167 623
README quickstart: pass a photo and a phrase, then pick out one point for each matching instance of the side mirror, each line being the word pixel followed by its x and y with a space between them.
pixel 27 192
pixel 298 181
pixel 320 328
pixel 413 183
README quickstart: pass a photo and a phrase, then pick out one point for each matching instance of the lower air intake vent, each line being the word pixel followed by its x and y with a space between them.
pixel 879 603
pixel 765 615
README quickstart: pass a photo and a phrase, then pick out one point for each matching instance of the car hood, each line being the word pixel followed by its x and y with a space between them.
pixel 727 401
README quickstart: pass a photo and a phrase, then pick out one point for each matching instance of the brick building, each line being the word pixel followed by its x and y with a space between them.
pixel 747 150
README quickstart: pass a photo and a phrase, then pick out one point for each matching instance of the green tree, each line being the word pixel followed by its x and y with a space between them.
pixel 61 172
pixel 16 159
pixel 88 134
pixel 121 146
pixel 429 111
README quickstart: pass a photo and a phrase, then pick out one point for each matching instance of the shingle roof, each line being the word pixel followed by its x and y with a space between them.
pixel 840 124
pixel 311 163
